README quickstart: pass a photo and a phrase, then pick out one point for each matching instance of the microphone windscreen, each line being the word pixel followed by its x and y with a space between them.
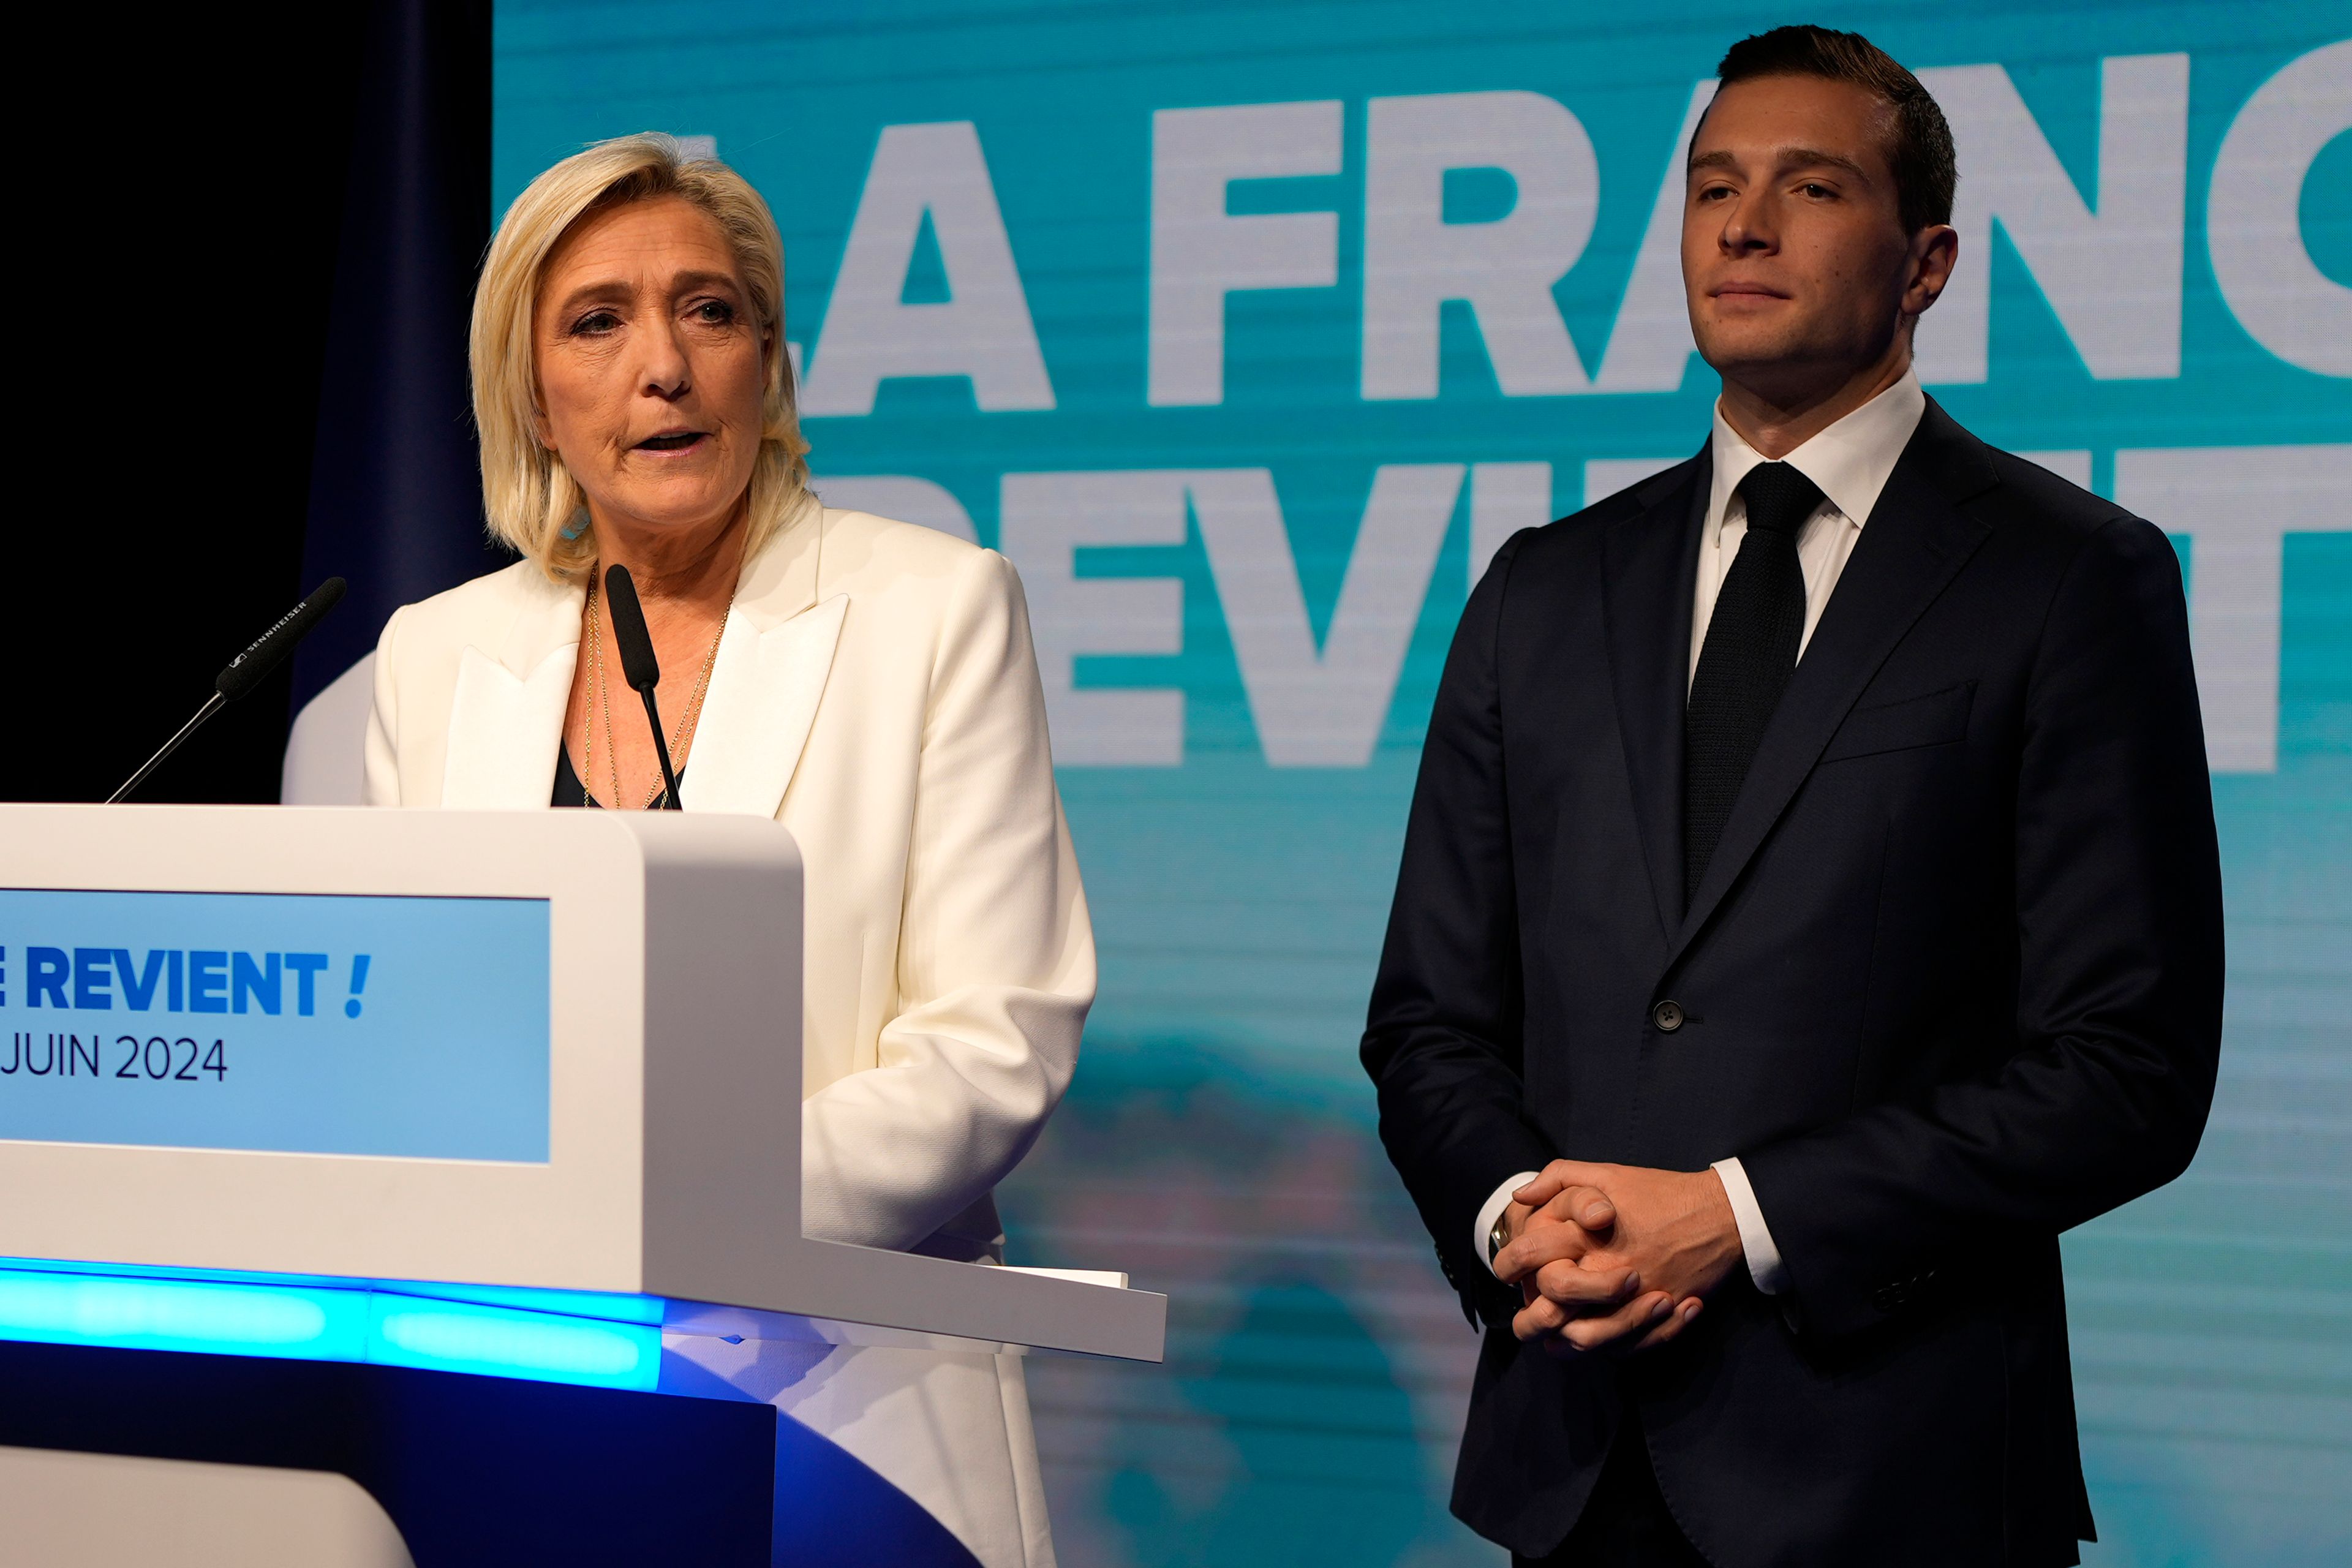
pixel 638 664
pixel 266 652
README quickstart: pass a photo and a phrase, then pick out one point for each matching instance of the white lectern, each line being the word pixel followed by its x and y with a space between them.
pixel 368 1056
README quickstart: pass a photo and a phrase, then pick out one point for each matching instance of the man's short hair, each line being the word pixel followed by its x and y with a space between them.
pixel 1925 170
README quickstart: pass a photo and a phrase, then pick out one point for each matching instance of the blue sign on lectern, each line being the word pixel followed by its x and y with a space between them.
pixel 299 1024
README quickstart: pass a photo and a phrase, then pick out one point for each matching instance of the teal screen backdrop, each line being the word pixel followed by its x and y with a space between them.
pixel 1246 328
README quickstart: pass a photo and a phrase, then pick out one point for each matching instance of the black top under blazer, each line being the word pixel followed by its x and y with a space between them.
pixel 1951 984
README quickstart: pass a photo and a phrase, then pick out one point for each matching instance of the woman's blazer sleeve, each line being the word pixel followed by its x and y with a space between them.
pixel 996 956
pixel 382 786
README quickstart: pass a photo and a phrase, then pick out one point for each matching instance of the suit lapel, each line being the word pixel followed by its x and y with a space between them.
pixel 1916 541
pixel 506 716
pixel 768 679
pixel 1652 561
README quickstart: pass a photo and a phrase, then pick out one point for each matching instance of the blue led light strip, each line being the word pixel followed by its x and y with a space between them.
pixel 310 1321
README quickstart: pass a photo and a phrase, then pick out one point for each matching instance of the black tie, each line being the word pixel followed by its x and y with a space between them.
pixel 1750 647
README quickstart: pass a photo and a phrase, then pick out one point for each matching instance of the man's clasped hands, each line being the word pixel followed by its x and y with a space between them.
pixel 1615 1257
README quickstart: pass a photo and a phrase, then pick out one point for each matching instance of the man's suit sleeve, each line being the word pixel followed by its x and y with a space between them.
pixel 1443 1038
pixel 2118 915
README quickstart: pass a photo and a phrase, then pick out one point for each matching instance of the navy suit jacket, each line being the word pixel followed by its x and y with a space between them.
pixel 1952 983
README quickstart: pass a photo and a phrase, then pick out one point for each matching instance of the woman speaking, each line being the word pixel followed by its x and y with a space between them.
pixel 869 684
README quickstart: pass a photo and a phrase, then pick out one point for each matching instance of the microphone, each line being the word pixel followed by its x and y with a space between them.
pixel 246 670
pixel 639 666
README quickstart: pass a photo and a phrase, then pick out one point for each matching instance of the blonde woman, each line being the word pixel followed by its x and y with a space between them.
pixel 869 684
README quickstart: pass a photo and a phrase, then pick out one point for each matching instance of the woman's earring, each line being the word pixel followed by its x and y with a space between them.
pixel 577 526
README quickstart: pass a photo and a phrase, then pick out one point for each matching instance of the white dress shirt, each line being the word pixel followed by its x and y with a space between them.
pixel 1851 461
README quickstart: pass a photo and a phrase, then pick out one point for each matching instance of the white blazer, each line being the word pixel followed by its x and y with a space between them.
pixel 875 691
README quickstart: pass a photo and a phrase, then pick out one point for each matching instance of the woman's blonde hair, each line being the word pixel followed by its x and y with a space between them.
pixel 532 501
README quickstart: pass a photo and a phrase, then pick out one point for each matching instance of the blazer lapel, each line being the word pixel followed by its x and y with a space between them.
pixel 1651 562
pixel 505 718
pixel 768 679
pixel 1916 541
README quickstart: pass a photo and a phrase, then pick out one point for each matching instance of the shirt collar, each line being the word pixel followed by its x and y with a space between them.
pixel 1849 460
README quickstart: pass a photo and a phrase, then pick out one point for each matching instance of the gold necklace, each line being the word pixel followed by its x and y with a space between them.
pixel 681 733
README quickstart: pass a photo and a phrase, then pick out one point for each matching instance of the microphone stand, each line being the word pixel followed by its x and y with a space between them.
pixel 246 670
pixel 661 749
pixel 213 705
pixel 640 667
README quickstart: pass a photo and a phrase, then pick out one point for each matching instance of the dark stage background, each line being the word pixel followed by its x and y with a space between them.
pixel 266 254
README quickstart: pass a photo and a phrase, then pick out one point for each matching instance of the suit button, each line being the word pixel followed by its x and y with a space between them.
pixel 1667 1016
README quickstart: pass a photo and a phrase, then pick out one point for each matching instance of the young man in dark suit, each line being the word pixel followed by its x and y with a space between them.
pixel 1810 909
